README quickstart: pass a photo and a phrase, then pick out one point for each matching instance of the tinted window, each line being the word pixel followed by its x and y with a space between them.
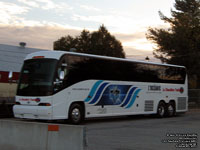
pixel 85 68
pixel 36 77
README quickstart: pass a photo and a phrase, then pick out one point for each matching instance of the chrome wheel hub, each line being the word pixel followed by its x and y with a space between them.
pixel 76 114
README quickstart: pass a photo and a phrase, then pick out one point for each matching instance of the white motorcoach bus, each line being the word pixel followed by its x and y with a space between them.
pixel 66 85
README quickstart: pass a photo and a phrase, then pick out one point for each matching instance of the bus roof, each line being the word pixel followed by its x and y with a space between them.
pixel 59 54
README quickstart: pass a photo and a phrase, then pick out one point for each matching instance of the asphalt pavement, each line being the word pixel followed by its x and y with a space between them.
pixel 144 133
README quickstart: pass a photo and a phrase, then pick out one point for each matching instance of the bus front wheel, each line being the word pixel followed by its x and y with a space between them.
pixel 161 110
pixel 76 114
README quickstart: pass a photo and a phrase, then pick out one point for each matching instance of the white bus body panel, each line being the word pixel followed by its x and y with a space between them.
pixel 29 108
pixel 104 98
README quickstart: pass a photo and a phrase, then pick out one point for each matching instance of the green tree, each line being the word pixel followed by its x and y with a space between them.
pixel 180 43
pixel 99 42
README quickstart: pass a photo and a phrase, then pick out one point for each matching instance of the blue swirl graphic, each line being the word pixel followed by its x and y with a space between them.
pixel 93 90
pixel 133 99
pixel 112 94
pixel 94 100
pixel 128 97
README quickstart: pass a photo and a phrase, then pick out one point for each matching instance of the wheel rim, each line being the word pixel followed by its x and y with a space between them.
pixel 170 110
pixel 76 115
pixel 161 111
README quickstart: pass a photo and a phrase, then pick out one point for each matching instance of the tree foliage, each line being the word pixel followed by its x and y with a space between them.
pixel 99 42
pixel 180 43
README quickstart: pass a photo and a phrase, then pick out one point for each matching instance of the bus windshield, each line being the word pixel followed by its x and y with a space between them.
pixel 37 77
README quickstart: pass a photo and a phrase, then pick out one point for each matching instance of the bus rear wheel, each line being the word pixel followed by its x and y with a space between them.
pixel 161 110
pixel 171 109
pixel 76 114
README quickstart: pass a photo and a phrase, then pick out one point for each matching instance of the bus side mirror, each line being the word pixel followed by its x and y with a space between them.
pixel 10 75
pixel 62 75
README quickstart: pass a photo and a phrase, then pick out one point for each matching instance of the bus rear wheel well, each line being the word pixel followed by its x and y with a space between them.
pixel 162 101
pixel 172 102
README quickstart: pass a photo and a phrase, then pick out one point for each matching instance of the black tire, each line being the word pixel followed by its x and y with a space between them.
pixel 76 114
pixel 171 110
pixel 161 110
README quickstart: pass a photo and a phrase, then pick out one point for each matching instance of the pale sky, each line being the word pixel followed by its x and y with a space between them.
pixel 40 22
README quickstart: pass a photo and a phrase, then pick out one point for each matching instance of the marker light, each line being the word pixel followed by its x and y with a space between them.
pixel 35 57
pixel 44 104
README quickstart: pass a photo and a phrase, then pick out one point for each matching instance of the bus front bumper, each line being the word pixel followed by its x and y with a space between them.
pixel 33 112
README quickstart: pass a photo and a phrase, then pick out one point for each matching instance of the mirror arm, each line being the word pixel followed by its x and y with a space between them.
pixel 57 82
